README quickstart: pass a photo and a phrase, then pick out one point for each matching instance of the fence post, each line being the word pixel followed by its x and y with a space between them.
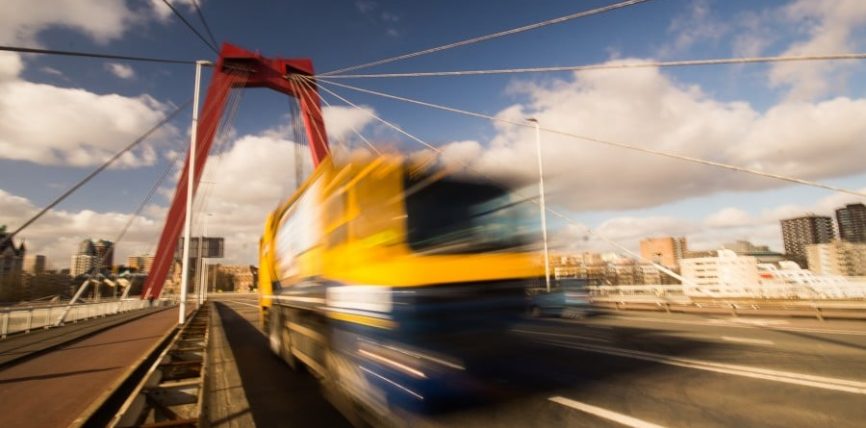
pixel 818 313
pixel 29 319
pixel 47 324
pixel 4 328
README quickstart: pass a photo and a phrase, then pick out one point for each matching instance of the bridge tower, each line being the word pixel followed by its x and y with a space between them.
pixel 236 68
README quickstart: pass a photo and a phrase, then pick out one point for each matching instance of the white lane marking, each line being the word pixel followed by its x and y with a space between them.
pixel 747 340
pixel 726 323
pixel 298 299
pixel 241 303
pixel 574 336
pixel 604 413
pixel 833 384
pixel 758 322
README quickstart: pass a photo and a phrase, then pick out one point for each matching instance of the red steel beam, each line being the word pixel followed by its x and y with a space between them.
pixel 235 68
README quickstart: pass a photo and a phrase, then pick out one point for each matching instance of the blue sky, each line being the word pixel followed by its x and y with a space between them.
pixel 759 99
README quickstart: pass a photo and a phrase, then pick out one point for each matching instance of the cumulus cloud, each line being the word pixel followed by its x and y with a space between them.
pixel 342 121
pixel 697 24
pixel 164 13
pixel 57 234
pixel 253 175
pixel 648 109
pixel 53 125
pixel 829 26
pixel 726 225
pixel 122 71
pixel 728 217
pixel 241 186
pixel 101 20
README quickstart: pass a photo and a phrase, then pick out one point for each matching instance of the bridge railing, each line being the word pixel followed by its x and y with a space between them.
pixel 793 291
pixel 23 319
pixel 785 300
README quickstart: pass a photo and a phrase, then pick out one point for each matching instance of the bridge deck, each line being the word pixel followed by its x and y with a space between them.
pixel 53 389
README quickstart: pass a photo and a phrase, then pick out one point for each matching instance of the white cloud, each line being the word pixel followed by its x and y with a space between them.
pixel 70 126
pixel 341 121
pixel 67 126
pixel 101 20
pixel 728 217
pixel 829 25
pixel 366 6
pixel 647 109
pixel 695 25
pixel 57 234
pixel 256 173
pixel 122 71
pixel 164 13
pixel 723 226
pixel 52 71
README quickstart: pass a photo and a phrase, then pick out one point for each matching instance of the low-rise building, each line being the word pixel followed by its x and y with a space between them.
pixel 140 263
pixel 243 276
pixel 725 274
pixel 837 258
pixel 11 255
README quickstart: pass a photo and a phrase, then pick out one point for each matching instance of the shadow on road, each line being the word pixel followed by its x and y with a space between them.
pixel 56 375
pixel 277 395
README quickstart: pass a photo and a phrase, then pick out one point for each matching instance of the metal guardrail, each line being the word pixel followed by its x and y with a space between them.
pixel 806 291
pixel 171 393
pixel 735 307
pixel 19 319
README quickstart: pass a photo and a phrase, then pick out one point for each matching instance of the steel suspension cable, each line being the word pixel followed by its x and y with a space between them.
pixel 138 211
pixel 308 97
pixel 656 152
pixel 299 142
pixel 232 106
pixel 204 22
pixel 93 55
pixel 611 66
pixel 98 170
pixel 352 127
pixel 385 122
pixel 191 28
pixel 556 213
pixel 479 39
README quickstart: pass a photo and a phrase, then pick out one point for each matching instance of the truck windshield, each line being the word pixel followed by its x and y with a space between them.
pixel 454 215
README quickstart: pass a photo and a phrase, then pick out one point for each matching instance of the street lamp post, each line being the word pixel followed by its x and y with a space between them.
pixel 541 202
pixel 202 287
pixel 190 179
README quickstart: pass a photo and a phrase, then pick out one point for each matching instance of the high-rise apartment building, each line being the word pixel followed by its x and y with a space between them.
pixel 104 252
pixel 81 264
pixel 666 251
pixel 837 258
pixel 799 232
pixel 92 254
pixel 34 263
pixel 852 222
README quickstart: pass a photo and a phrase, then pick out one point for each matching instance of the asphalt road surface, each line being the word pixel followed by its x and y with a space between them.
pixel 643 369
